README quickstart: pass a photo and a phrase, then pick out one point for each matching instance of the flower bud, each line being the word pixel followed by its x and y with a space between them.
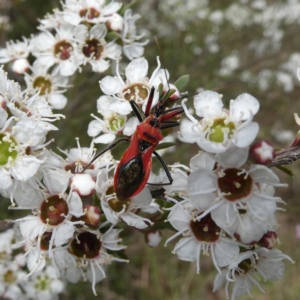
pixel 83 184
pixel 20 66
pixel 92 216
pixel 262 152
pixel 269 240
pixel 115 22
pixel 153 238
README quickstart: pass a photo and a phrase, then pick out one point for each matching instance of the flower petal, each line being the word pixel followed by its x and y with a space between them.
pixel 235 157
pixel 208 104
pixel 111 85
pixel 137 70
pixel 202 181
pixel 63 233
pixel 105 138
pixel 246 135
pixel 244 107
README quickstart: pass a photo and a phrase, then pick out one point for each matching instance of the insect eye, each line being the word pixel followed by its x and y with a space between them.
pixel 154 123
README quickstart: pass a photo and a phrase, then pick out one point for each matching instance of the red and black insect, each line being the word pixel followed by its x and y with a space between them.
pixel 135 165
pixel 134 168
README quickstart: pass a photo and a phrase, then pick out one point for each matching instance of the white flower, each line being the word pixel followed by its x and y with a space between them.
pixel 219 129
pixel 14 162
pixel 132 49
pixel 116 210
pixel 58 174
pixel 44 285
pixel 6 239
pixel 59 50
pixel 15 51
pixel 11 275
pixel 247 270
pixel 90 249
pixel 91 11
pixel 114 120
pixel 52 215
pixel 50 86
pixel 232 189
pixel 51 21
pixel 94 49
pixel 137 85
pixel 200 235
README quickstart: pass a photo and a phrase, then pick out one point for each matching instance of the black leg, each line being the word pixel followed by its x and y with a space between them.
pixel 166 170
pixel 110 146
pixel 169 124
pixel 137 111
pixel 149 101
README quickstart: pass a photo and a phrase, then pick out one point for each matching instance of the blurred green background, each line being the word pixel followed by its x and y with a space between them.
pixel 229 46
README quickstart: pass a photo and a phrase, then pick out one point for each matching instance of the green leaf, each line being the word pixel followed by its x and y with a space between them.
pixel 182 82
pixel 169 94
pixel 160 88
pixel 112 35
pixel 125 7
pixel 96 200
pixel 164 146
pixel 285 170
pixel 120 254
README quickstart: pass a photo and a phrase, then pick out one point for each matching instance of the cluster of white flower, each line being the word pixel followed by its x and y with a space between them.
pixel 15 284
pixel 83 32
pixel 221 204
pixel 67 196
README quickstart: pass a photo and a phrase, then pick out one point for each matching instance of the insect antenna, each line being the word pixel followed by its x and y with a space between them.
pixel 160 106
pixel 163 64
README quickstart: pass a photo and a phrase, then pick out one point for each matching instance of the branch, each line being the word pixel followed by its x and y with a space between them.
pixel 286 156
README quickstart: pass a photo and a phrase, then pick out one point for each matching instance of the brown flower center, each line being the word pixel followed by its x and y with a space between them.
pixel 205 230
pixel 235 184
pixel 54 210
pixel 62 50
pixel 86 245
pixel 92 49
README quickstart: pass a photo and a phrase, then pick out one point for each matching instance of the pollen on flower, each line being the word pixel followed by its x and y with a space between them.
pixel 54 210
pixel 8 152
pixel 62 50
pixel 93 48
pixel 234 186
pixel 43 84
pixel 205 229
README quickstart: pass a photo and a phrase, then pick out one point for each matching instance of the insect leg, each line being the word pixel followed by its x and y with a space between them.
pixel 137 111
pixel 165 168
pixel 149 102
pixel 110 146
pixel 169 124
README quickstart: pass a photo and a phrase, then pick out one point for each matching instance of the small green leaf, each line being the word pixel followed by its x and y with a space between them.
pixel 285 170
pixel 112 35
pixel 125 7
pixel 96 200
pixel 120 254
pixel 164 146
pixel 169 94
pixel 160 88
pixel 182 82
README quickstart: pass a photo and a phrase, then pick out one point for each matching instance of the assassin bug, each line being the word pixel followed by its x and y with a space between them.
pixel 134 168
pixel 136 163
